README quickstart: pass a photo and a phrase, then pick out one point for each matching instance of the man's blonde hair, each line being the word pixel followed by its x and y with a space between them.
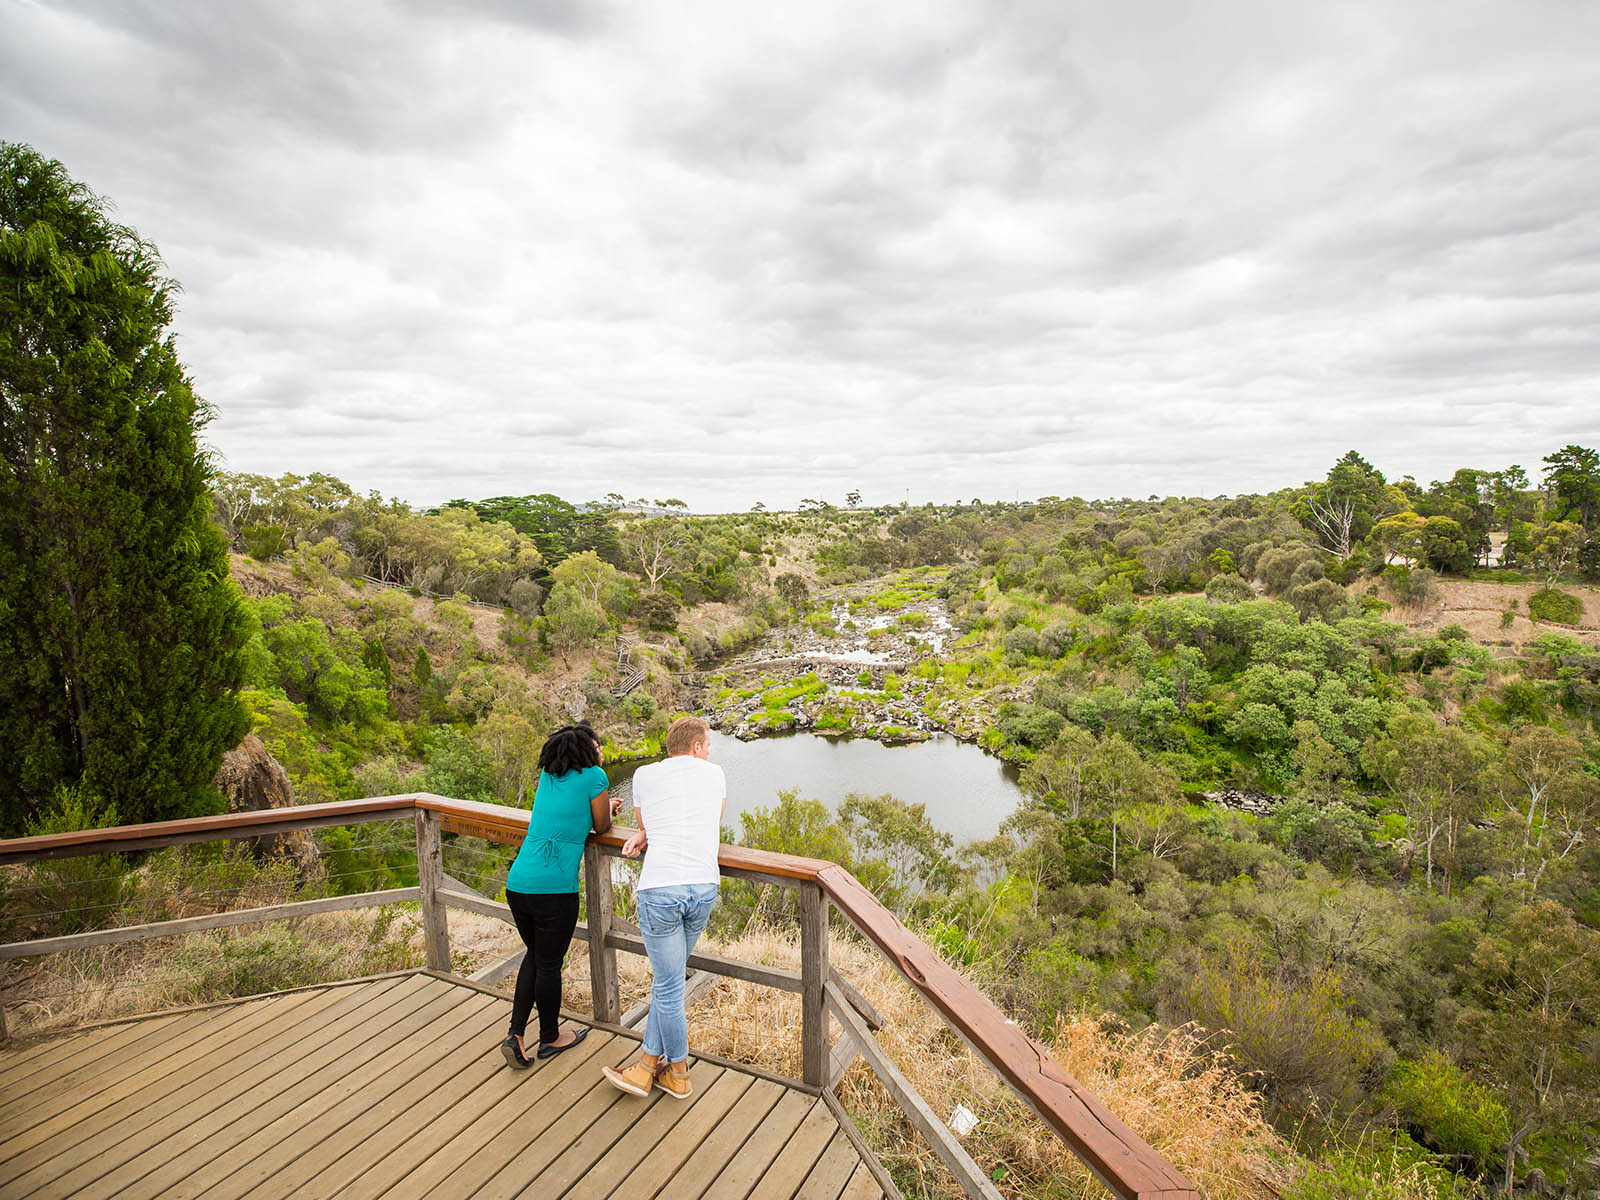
pixel 685 733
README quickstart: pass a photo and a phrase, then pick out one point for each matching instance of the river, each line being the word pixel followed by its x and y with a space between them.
pixel 967 793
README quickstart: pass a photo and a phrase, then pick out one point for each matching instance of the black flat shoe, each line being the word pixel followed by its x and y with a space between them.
pixel 550 1049
pixel 513 1053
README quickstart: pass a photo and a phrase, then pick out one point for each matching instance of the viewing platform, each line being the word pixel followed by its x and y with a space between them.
pixel 394 1085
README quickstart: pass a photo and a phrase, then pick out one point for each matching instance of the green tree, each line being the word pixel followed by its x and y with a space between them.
pixel 121 633
pixel 1531 1038
pixel 1572 474
pixel 1341 510
pixel 572 618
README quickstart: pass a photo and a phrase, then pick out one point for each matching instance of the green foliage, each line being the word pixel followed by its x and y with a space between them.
pixel 1381 1166
pixel 1297 1032
pixel 456 767
pixel 658 610
pixel 1447 1110
pixel 1550 604
pixel 120 631
pixel 67 895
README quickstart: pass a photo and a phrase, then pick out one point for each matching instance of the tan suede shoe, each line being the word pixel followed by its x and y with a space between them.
pixel 675 1083
pixel 634 1080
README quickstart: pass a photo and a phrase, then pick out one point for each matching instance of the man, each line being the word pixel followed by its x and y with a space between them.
pixel 678 803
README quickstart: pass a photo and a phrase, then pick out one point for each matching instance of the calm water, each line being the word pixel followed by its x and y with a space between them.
pixel 967 793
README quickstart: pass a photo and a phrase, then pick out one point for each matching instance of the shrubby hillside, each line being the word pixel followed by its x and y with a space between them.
pixel 1405 941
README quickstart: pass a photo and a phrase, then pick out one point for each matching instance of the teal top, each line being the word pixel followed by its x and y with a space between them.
pixel 557 828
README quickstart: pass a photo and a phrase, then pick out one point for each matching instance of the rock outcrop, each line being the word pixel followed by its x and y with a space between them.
pixel 254 781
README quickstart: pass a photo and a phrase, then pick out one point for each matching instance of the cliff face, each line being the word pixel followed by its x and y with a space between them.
pixel 254 781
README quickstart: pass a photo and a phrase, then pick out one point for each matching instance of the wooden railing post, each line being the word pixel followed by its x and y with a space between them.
pixel 813 975
pixel 430 877
pixel 602 955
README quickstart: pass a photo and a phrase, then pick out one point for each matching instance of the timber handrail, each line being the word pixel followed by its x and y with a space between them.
pixel 1122 1160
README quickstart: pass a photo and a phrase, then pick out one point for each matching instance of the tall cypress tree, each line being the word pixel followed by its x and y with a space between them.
pixel 120 628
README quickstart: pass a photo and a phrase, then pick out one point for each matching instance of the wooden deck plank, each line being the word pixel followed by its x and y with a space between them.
pixel 739 1177
pixel 297 1116
pixel 520 1132
pixel 410 1082
pixel 101 1077
pixel 93 1141
pixel 621 1127
pixel 687 1166
pixel 45 1055
pixel 49 1071
pixel 320 1092
pixel 130 1103
pixel 862 1186
pixel 205 1086
pixel 799 1155
pixel 550 1163
pixel 680 1125
pixel 489 1083
pixel 208 1125
pixel 833 1170
pixel 446 1074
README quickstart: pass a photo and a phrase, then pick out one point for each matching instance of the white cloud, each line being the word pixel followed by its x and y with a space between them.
pixel 734 252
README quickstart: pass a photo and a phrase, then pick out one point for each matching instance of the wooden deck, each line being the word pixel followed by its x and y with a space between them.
pixel 392 1087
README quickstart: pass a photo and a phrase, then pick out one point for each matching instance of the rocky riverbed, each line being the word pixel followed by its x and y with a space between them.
pixel 849 670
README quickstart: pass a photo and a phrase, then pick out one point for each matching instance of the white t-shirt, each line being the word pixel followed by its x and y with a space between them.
pixel 679 801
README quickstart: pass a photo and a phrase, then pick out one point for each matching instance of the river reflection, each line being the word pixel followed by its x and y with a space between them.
pixel 967 793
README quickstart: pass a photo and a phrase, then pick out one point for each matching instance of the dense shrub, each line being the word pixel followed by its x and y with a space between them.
pixel 1448 1111
pixel 1410 587
pixel 1551 604
pixel 1228 589
pixel 1381 1167
pixel 1296 1033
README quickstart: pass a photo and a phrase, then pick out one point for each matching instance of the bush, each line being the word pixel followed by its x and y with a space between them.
pixel 1448 1111
pixel 658 610
pixel 1308 1049
pixel 1551 604
pixel 69 895
pixel 1228 589
pixel 1021 643
pixel 1381 1167
pixel 1410 587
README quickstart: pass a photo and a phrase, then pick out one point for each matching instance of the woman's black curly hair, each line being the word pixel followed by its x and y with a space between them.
pixel 570 748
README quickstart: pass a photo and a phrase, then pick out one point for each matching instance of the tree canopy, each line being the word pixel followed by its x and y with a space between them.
pixel 120 629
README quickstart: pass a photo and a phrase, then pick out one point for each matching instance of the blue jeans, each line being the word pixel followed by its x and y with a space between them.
pixel 671 920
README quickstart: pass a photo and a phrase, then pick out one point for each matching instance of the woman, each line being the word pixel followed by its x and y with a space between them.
pixel 542 885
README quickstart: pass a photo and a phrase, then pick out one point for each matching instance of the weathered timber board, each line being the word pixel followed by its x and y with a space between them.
pixel 171 1148
pixel 387 1087
pixel 678 1125
pixel 832 1172
pixel 299 1158
pixel 765 1143
pixel 799 1155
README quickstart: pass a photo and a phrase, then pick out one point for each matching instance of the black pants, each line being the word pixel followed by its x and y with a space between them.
pixel 546 923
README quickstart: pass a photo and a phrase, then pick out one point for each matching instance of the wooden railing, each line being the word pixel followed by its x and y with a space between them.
pixel 1122 1160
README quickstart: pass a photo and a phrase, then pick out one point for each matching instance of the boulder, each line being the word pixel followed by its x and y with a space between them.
pixel 254 781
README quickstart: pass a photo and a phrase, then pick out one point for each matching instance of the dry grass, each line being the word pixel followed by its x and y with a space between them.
pixel 58 992
pixel 1187 1101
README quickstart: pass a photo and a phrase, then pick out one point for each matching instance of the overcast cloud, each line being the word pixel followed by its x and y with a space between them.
pixel 747 251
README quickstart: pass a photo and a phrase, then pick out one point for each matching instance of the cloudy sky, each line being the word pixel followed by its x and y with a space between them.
pixel 748 251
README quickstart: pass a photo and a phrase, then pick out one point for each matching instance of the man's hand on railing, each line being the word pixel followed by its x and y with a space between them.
pixel 635 845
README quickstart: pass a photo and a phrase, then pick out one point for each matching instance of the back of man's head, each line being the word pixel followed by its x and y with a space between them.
pixel 684 734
